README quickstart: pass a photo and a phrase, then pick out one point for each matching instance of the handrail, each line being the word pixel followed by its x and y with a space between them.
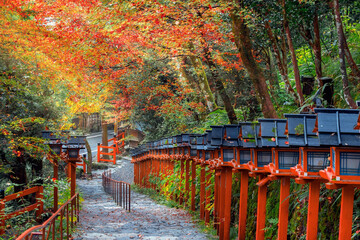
pixel 38 206
pixel 72 217
pixel 119 190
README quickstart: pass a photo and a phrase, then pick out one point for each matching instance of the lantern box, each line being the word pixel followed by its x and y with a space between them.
pixel 178 140
pixel 231 136
pixel 283 159
pixel 55 140
pixel 312 160
pixel 74 145
pixel 335 127
pixel 300 128
pixel 272 133
pixel 249 133
pixel 345 166
pixel 209 149
pixel 200 146
pixel 56 148
pixel 209 154
pixel 259 159
pixel 217 135
pixel 229 144
pixel 76 142
pixel 243 156
pixel 185 143
pixel 193 145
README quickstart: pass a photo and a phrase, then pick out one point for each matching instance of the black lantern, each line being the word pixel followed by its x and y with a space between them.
pixel 217 135
pixel 231 135
pixel 244 156
pixel 200 145
pixel 55 140
pixel 193 145
pixel 250 135
pixel 74 145
pixel 344 139
pixel 272 133
pixel 300 130
pixel 185 143
pixel 300 134
pixel 335 127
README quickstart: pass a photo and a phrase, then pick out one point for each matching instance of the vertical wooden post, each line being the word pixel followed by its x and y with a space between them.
pixel 244 186
pixel 114 154
pixel 187 177
pixel 202 192
pixel 39 199
pixel 227 202
pixel 193 189
pixel 216 200
pixel 261 211
pixel 181 179
pixel 284 208
pixel 2 218
pixel 72 166
pixel 346 212
pixel 221 193
pixel 207 195
pixel 313 210
pixel 98 152
pixel 56 177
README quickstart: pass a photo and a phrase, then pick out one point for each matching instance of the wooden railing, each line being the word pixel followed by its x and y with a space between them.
pixel 119 190
pixel 38 206
pixel 102 153
pixel 118 142
pixel 59 225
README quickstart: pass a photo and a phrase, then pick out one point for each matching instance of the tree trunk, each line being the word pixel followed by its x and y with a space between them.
pixel 316 46
pixel 202 85
pixel 256 74
pixel 89 159
pixel 104 139
pixel 19 176
pixel 280 63
pixel 354 68
pixel 341 44
pixel 293 55
pixel 220 86
pixel 203 82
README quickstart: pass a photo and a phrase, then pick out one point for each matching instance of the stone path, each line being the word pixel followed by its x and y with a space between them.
pixel 101 218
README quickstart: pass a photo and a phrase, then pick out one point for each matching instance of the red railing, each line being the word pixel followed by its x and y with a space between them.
pixel 111 153
pixel 38 206
pixel 119 190
pixel 59 225
pixel 118 142
pixel 82 164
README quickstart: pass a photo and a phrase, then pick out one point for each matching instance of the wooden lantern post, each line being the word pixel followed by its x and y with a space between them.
pixel 259 158
pixel 73 147
pixel 55 142
pixel 272 133
pixel 312 159
pixel 197 144
pixel 242 157
pixel 207 172
pixel 344 170
pixel 220 207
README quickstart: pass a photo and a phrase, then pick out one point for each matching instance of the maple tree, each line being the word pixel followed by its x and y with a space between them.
pixel 95 50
